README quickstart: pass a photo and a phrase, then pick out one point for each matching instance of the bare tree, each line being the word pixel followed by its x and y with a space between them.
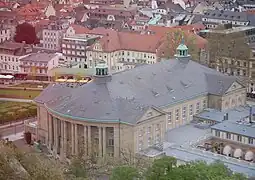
pixel 173 39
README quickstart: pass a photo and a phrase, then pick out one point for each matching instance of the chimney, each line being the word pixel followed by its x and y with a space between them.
pixel 225 117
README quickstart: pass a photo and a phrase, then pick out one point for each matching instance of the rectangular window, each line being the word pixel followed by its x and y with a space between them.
pixel 217 133
pixel 140 133
pixel 204 104
pixel 228 136
pixel 140 145
pixel 239 138
pixel 191 110
pixel 157 127
pixel 169 117
pixel 149 130
pixel 250 140
pixel 158 139
pixel 184 110
pixel 197 107
pixel 149 140
pixel 177 114
pixel 110 142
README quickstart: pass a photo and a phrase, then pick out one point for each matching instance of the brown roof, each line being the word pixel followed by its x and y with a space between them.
pixel 18 49
pixel 11 45
pixel 79 29
pixel 39 57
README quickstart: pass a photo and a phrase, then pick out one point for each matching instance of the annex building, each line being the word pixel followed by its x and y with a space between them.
pixel 131 110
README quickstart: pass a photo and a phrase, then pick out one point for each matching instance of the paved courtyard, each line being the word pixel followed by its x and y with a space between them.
pixel 183 141
pixel 187 135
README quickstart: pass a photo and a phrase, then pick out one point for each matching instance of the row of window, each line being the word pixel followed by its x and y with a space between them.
pixel 233 72
pixel 50 46
pixel 128 53
pixel 184 111
pixel 3 31
pixel 234 102
pixel 30 70
pixel 5 58
pixel 73 46
pixel 4 39
pixel 9 67
pixel 49 33
pixel 231 137
pixel 35 64
pixel 150 141
pixel 80 53
pixel 149 130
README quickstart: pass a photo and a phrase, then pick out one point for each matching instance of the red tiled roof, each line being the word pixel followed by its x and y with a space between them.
pixel 162 31
pixel 30 12
pixel 115 40
pixel 4 4
pixel 79 29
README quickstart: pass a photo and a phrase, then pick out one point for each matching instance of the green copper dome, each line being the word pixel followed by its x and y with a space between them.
pixel 182 50
pixel 182 47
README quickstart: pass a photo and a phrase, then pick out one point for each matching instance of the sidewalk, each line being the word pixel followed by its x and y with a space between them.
pixel 14 137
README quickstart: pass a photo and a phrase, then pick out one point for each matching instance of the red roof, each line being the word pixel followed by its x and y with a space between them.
pixel 162 31
pixel 114 40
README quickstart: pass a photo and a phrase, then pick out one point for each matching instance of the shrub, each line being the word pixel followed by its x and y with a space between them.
pixel 15 108
pixel 3 111
pixel 22 113
pixel 32 111
pixel 9 116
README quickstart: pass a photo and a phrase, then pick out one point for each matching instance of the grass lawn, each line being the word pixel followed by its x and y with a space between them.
pixel 14 111
pixel 31 85
pixel 19 93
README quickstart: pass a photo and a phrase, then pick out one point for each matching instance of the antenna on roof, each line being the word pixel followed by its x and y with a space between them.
pixel 182 41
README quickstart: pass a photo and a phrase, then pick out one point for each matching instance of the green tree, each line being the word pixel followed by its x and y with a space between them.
pixel 77 168
pixel 125 172
pixel 166 169
pixel 160 168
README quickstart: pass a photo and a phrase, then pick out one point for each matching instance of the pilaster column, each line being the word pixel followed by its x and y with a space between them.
pixel 85 141
pixel 72 138
pixel 65 138
pixel 62 140
pixel 89 141
pixel 104 141
pixel 55 149
pixel 100 141
pixel 76 140
pixel 48 124
pixel 50 133
pixel 116 142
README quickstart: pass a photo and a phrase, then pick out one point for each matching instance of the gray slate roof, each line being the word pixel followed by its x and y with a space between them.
pixel 234 115
pixel 130 93
pixel 227 15
pixel 241 129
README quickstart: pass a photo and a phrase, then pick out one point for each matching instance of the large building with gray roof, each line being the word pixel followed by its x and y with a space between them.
pixel 131 110
pixel 213 18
